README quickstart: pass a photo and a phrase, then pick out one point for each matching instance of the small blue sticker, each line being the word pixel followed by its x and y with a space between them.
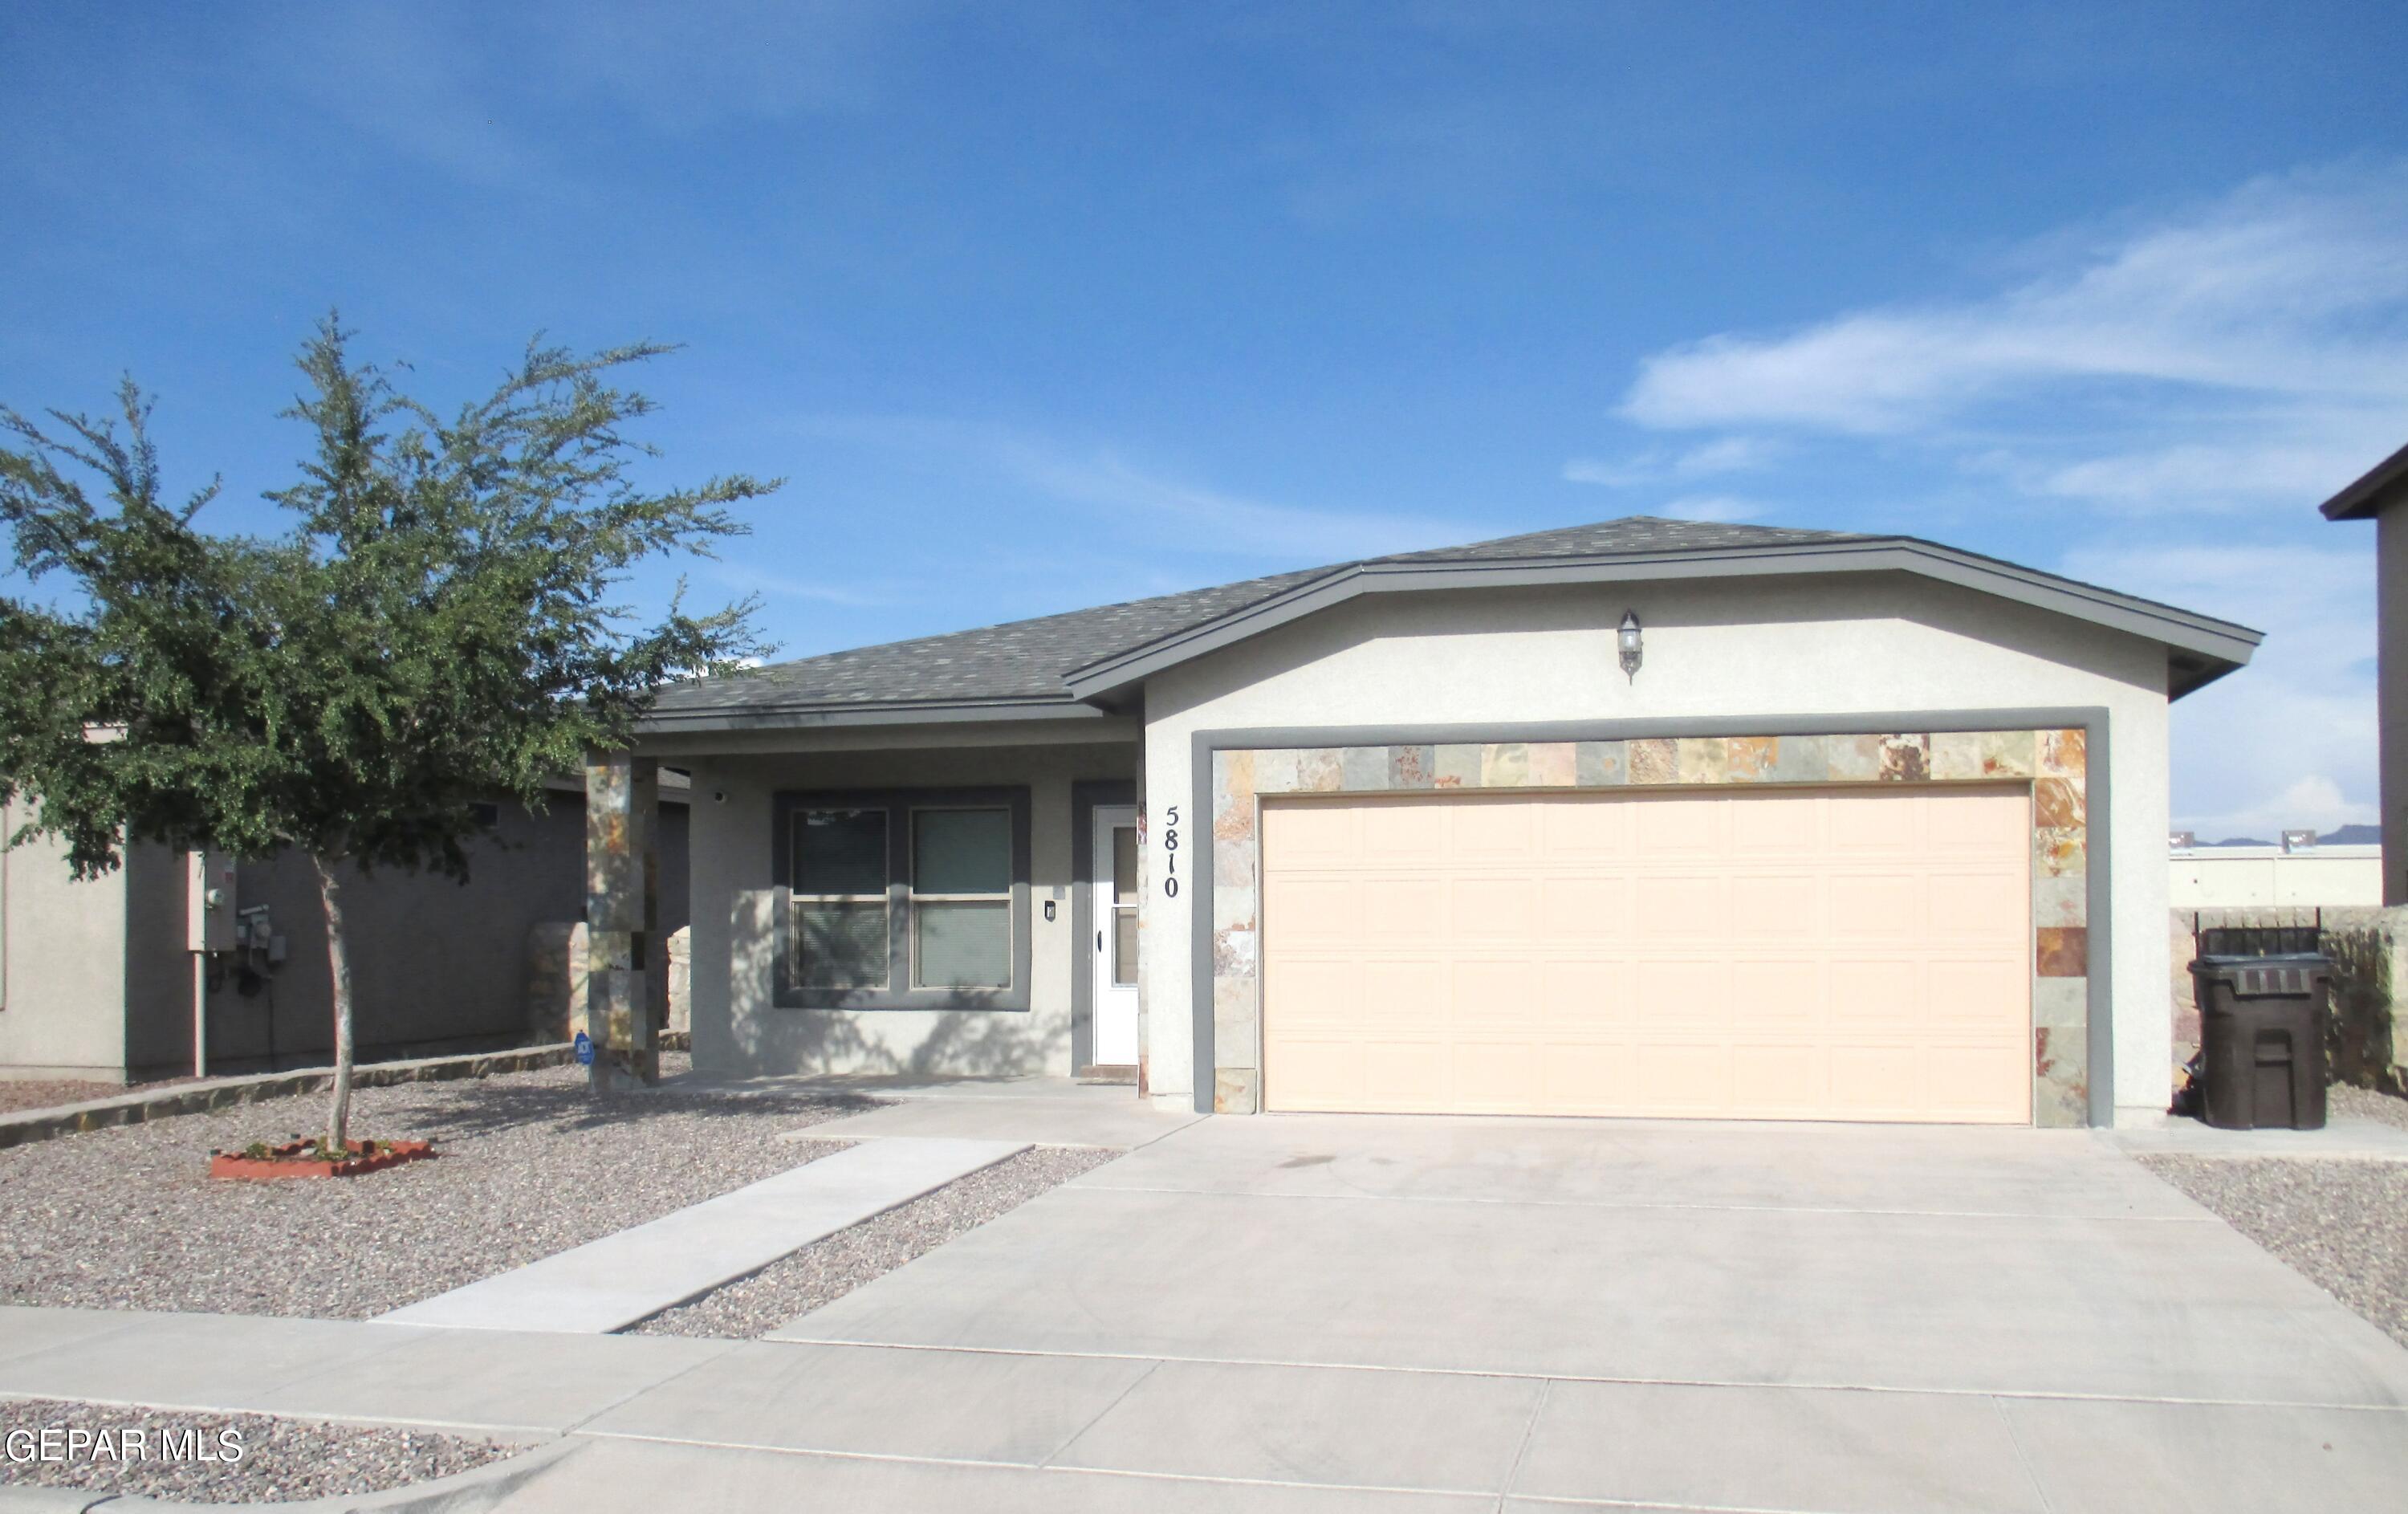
pixel 584 1049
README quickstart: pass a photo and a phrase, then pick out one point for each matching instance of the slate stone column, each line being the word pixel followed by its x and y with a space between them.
pixel 626 966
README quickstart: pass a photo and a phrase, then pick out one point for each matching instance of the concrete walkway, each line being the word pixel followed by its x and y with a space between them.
pixel 1340 1315
pixel 609 1284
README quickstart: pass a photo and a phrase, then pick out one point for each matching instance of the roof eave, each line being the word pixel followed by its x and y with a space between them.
pixel 824 716
pixel 2366 496
pixel 2219 646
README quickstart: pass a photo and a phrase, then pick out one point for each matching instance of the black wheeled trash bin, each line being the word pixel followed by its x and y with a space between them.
pixel 2262 1022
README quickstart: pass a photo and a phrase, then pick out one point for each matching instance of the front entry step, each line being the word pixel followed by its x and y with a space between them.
pixel 1109 1076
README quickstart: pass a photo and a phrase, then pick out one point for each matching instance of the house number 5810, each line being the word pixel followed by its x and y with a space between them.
pixel 1171 852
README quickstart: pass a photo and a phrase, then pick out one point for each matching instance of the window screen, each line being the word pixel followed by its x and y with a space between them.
pixel 961 898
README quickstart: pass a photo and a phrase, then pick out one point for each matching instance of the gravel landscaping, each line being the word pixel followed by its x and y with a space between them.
pixel 49 1092
pixel 530 1165
pixel 280 1460
pixel 2343 1224
pixel 827 1270
pixel 2365 1103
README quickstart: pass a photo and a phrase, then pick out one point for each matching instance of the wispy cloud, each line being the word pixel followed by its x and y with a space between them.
pixel 1660 465
pixel 780 586
pixel 2284 741
pixel 1107 485
pixel 2276 318
pixel 1711 507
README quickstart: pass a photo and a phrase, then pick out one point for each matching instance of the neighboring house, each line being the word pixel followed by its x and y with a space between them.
pixel 97 978
pixel 2379 497
pixel 1871 828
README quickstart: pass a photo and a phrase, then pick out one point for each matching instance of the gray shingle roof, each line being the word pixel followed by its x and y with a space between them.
pixel 1029 664
pixel 1026 659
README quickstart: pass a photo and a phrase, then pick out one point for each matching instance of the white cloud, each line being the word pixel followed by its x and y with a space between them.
pixel 1149 501
pixel 2290 739
pixel 1723 455
pixel 2279 313
pixel 1710 507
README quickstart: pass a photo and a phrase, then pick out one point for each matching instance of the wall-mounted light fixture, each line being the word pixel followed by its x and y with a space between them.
pixel 1631 649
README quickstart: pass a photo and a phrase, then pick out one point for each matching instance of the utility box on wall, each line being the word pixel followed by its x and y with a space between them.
pixel 209 902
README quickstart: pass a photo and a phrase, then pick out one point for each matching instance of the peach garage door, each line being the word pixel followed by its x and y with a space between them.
pixel 1779 955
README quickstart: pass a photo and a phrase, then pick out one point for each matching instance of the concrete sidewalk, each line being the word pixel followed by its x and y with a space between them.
pixel 612 1283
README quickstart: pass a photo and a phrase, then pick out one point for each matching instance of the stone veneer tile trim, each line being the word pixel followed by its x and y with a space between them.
pixel 2053 762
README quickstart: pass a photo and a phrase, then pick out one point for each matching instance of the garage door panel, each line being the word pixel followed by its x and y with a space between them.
pixel 1585 832
pixel 1970 904
pixel 1777 993
pixel 1399 908
pixel 1783 954
pixel 1497 828
pixel 1496 1077
pixel 1877 1077
pixel 1492 909
pixel 1775 832
pixel 1592 993
pixel 1404 833
pixel 1871 825
pixel 1875 906
pixel 1584 908
pixel 1495 995
pixel 1970 1083
pixel 1781 906
pixel 1671 828
pixel 1311 909
pixel 1410 1076
pixel 1777 1075
pixel 1300 832
pixel 1675 1079
pixel 1685 906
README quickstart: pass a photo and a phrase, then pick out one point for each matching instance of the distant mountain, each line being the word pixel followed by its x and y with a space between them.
pixel 2338 836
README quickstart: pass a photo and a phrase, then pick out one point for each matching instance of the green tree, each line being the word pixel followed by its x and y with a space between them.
pixel 436 629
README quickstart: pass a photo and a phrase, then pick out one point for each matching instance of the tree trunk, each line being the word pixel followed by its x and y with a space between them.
pixel 339 1117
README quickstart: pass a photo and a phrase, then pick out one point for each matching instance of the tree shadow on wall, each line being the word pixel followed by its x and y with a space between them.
pixel 968 1036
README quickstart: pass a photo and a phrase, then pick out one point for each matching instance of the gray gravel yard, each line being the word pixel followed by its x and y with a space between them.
pixel 530 1165
pixel 17 1094
pixel 282 1459
pixel 825 1271
pixel 2343 1224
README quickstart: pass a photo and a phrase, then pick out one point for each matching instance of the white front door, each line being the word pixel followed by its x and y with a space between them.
pixel 1113 910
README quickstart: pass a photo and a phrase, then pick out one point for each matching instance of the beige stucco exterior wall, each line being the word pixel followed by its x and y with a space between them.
pixel 737 1030
pixel 1718 649
pixel 63 956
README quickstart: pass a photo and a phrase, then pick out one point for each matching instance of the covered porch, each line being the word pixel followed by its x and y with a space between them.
pixel 949 900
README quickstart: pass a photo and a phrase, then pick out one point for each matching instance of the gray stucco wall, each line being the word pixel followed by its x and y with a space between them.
pixel 737 1031
pixel 435 965
pixel 98 983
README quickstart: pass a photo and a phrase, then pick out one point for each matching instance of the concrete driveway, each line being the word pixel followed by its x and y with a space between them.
pixel 1343 1312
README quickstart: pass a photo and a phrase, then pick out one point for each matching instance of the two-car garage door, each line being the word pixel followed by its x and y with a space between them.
pixel 1860 953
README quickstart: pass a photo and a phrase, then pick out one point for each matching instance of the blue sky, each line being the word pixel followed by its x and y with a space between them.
pixel 1043 306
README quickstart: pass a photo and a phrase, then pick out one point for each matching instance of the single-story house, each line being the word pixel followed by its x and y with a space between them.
pixel 1647 817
